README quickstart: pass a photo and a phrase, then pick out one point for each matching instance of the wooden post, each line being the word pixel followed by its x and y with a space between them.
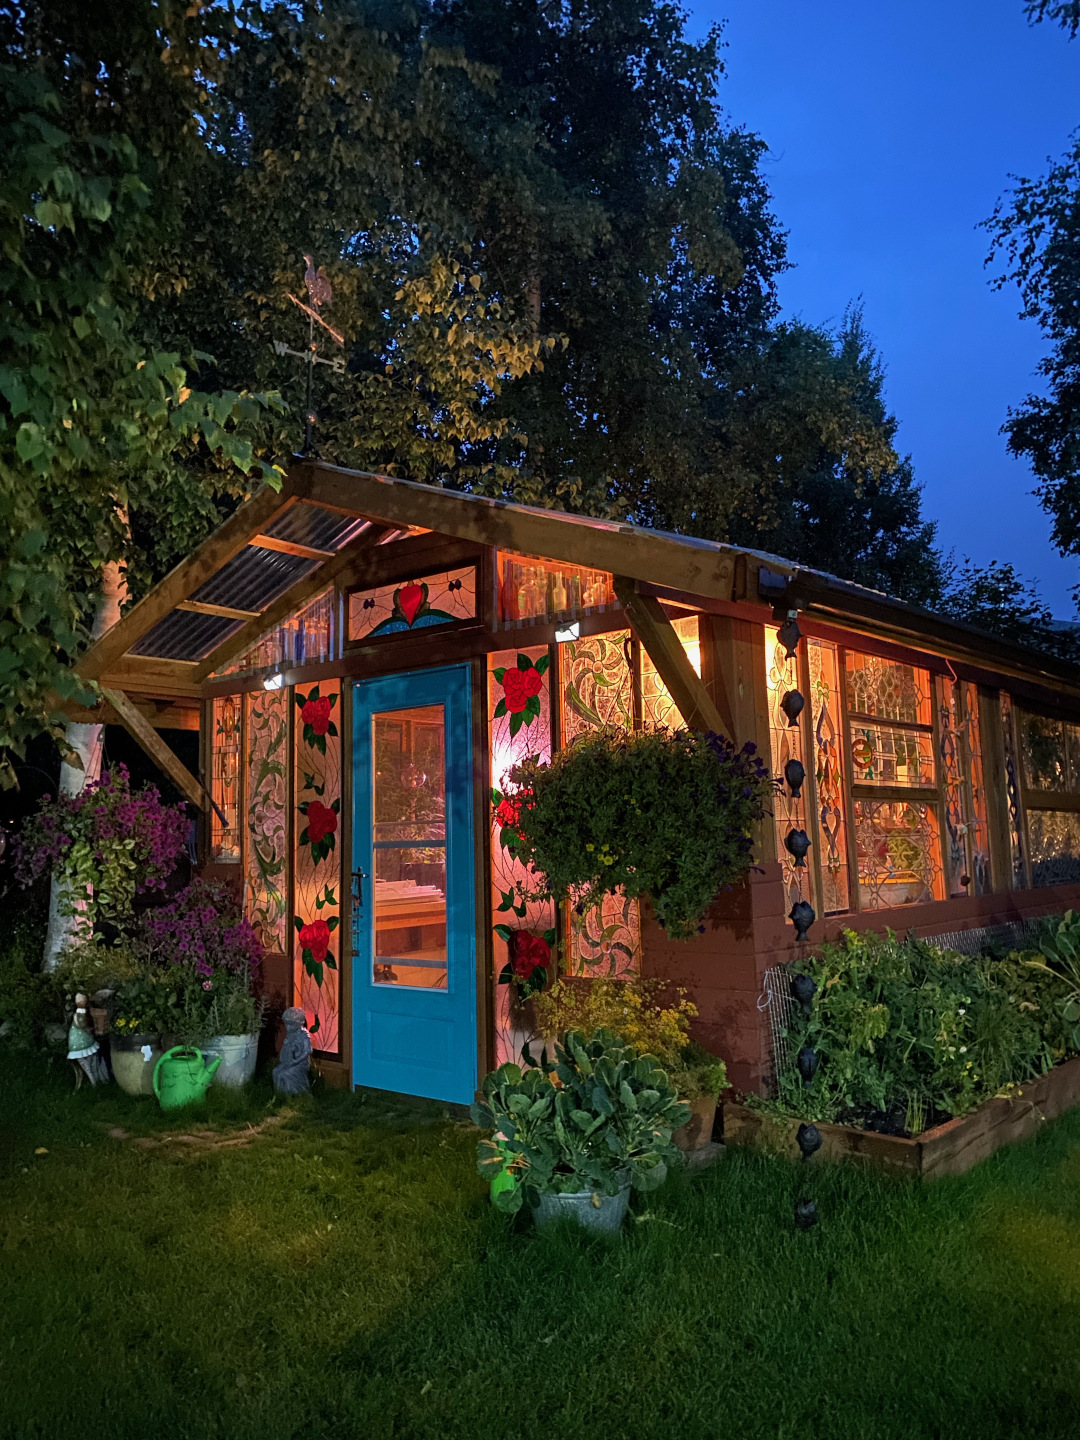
pixel 734 669
pixel 140 729
pixel 656 633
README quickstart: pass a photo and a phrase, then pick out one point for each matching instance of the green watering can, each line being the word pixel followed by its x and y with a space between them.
pixel 180 1076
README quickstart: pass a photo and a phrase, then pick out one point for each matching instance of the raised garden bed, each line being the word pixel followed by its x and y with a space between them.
pixel 947 1149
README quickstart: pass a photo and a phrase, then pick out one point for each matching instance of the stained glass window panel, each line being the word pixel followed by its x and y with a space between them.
pixel 317 858
pixel 888 689
pixel 511 742
pixel 786 743
pixel 413 605
pixel 967 861
pixel 532 590
pixel 899 850
pixel 596 684
pixel 831 818
pixel 1054 841
pixel 658 708
pixel 266 881
pixel 885 755
pixel 225 771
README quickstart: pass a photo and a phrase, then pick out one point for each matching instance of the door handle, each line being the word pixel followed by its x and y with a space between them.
pixel 358 878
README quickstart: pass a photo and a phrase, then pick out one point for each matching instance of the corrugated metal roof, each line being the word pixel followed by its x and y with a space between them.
pixel 314 526
pixel 185 635
pixel 254 577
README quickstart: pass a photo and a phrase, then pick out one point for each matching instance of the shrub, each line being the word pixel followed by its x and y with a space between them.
pixel 664 814
pixel 604 1112
pixel 29 999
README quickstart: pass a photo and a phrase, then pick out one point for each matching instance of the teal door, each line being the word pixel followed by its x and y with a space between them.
pixel 414 928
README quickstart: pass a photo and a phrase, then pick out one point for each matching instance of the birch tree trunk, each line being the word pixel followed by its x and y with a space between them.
pixel 88 741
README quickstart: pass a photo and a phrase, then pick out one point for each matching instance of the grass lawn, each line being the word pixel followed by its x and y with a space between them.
pixel 340 1274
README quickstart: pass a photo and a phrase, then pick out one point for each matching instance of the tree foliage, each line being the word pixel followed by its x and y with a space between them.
pixel 93 424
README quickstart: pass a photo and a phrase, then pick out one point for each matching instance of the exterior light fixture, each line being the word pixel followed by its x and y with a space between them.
pixel 568 632
pixel 275 681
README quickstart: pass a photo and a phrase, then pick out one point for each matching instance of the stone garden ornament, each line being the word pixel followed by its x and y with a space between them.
pixel 291 1072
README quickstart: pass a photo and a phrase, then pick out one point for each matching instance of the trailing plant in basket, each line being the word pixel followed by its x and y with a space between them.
pixel 664 814
pixel 106 845
pixel 601 1113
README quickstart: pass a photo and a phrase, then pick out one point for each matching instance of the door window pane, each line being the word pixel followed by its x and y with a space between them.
pixel 409 884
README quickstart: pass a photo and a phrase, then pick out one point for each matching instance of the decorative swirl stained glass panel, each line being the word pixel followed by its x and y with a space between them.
pixel 885 755
pixel 225 782
pixel 413 605
pixel 967 861
pixel 899 848
pixel 267 793
pixel 596 689
pixel 831 827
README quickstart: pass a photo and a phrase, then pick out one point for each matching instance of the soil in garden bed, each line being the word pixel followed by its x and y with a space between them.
pixel 890 1121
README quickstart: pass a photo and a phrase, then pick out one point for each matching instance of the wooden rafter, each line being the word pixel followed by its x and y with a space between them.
pixel 224 612
pixel 291 547
pixel 226 541
pixel 140 729
pixel 664 648
pixel 295 596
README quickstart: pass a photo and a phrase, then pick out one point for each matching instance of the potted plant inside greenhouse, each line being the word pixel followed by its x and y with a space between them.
pixel 570 1138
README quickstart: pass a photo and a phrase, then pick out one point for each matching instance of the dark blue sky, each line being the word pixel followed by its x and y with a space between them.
pixel 893 126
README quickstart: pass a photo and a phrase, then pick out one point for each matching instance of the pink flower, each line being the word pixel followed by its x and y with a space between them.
pixel 207 984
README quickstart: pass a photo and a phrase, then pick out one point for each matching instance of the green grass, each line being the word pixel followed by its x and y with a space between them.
pixel 342 1277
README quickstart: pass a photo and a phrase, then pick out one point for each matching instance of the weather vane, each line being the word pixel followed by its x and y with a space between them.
pixel 320 293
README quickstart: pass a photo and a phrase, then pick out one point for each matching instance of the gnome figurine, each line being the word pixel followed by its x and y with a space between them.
pixel 83 1049
pixel 291 1072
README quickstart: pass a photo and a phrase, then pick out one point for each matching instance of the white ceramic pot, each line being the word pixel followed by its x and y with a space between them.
pixel 133 1059
pixel 238 1053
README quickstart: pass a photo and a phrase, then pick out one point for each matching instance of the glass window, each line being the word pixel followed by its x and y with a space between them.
pixel 225 771
pixel 410 848
pixel 830 817
pixel 532 590
pixel 413 604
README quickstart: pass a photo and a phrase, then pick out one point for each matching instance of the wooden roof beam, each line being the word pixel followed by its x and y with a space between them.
pixel 291 547
pixel 225 612
pixel 140 729
pixel 664 648
pixel 295 596
pixel 226 541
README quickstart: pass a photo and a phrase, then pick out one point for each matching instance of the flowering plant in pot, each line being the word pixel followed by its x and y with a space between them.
pixel 207 947
pixel 106 845
pixel 665 814
pixel 587 1126
pixel 636 1010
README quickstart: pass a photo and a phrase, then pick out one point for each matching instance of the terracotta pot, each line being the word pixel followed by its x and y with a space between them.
pixel 698 1129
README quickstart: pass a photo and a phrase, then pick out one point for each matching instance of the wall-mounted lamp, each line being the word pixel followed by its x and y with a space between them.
pixel 274 682
pixel 568 632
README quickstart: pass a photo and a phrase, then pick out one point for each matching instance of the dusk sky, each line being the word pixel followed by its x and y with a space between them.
pixel 893 127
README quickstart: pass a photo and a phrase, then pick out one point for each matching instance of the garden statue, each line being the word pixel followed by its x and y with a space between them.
pixel 83 1050
pixel 291 1071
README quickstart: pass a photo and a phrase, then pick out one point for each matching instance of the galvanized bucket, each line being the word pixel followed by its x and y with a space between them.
pixel 588 1208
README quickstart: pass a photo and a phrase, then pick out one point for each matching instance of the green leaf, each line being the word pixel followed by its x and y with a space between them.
pixel 503 932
